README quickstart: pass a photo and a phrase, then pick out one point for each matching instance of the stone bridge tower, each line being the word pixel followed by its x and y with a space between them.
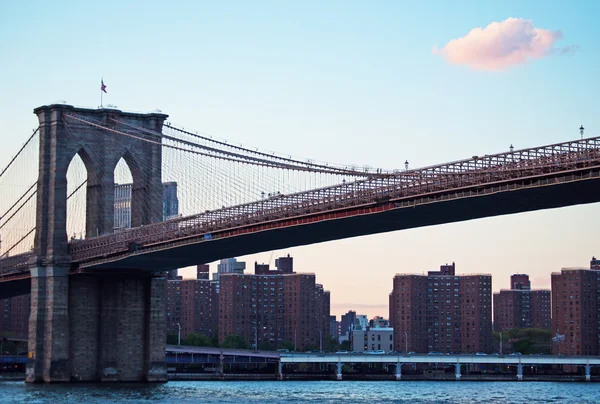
pixel 107 326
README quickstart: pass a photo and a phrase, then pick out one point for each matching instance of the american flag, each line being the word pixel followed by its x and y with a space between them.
pixel 102 86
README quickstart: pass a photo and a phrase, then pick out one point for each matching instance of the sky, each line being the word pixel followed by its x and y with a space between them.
pixel 350 82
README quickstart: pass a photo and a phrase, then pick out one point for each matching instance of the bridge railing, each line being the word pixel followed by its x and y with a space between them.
pixel 16 263
pixel 378 188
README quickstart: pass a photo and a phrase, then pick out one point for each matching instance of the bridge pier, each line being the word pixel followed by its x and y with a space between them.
pixel 398 371
pixel 457 371
pixel 96 327
pixel 339 370
pixel 49 326
pixel 520 371
pixel 588 373
pixel 280 371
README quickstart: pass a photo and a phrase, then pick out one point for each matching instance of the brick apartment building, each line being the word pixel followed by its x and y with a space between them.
pixel 14 315
pixel 521 307
pixel 273 307
pixel 442 312
pixel 193 304
pixel 576 310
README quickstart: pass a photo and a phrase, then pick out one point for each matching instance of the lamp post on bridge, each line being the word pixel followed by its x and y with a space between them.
pixel 178 334
pixel 581 129
pixel 320 341
pixel 500 342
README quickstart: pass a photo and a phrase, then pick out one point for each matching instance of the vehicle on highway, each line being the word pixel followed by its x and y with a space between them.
pixel 434 353
pixel 481 354
pixel 341 352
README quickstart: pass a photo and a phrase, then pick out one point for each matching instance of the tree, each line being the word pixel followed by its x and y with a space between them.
pixel 234 341
pixel 286 345
pixel 345 346
pixel 172 339
pixel 526 340
pixel 266 346
pixel 331 344
pixel 197 340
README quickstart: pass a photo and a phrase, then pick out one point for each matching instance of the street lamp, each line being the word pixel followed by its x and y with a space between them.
pixel 406 165
pixel 320 341
pixel 511 148
pixel 581 129
pixel 405 342
pixel 500 343
pixel 178 334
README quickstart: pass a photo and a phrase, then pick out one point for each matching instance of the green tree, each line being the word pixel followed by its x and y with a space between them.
pixel 172 338
pixel 266 346
pixel 345 346
pixel 197 340
pixel 234 341
pixel 286 345
pixel 331 344
pixel 526 340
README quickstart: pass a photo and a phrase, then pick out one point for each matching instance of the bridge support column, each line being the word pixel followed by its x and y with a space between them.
pixel 588 373
pixel 132 328
pixel 49 326
pixel 96 328
pixel 457 371
pixel 221 357
pixel 520 371
pixel 339 370
pixel 398 371
pixel 280 371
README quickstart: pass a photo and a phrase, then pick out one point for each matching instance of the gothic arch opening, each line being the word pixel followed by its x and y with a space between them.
pixel 123 179
pixel 77 178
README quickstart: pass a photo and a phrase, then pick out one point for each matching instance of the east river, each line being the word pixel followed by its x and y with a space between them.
pixel 316 392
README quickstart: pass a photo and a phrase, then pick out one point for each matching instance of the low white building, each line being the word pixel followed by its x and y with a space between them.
pixel 373 339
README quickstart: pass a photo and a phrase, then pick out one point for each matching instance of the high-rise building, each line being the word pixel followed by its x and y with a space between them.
pixel 442 312
pixel 123 196
pixel 202 272
pixel 273 308
pixel 122 214
pixel 347 324
pixel 576 310
pixel 170 200
pixel 192 304
pixel 361 322
pixel 334 327
pixel 521 307
pixel 14 315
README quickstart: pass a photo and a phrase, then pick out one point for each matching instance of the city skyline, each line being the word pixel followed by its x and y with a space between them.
pixel 344 83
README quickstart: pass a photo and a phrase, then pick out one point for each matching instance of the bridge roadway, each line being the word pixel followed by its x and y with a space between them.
pixel 457 360
pixel 526 180
pixel 189 354
pixel 450 359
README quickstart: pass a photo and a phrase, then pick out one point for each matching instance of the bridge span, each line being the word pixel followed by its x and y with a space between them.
pixel 107 288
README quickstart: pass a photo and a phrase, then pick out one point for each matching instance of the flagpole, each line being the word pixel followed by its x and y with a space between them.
pixel 101 81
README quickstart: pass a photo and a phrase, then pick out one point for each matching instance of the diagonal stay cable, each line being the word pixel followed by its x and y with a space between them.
pixel 20 207
pixel 32 230
pixel 22 148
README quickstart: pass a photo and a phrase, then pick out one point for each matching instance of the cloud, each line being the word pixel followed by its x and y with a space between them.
pixel 501 45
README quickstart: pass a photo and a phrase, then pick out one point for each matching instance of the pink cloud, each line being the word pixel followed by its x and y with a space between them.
pixel 501 45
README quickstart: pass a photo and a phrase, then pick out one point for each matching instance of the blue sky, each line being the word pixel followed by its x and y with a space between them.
pixel 339 81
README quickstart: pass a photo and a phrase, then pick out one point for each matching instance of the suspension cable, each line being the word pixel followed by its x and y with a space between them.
pixel 22 148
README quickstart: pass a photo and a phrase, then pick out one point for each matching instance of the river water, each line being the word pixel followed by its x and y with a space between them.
pixel 305 391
